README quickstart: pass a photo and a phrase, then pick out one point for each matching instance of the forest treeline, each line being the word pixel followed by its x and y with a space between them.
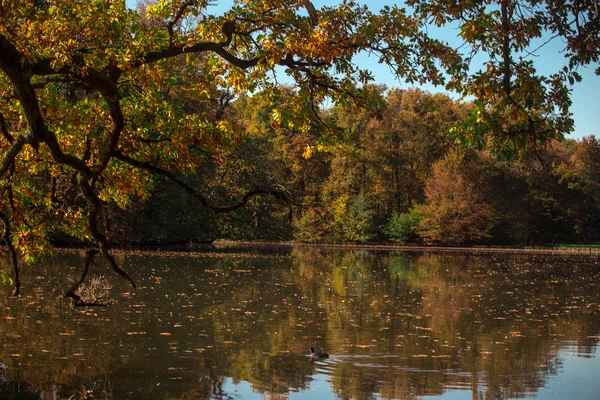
pixel 391 172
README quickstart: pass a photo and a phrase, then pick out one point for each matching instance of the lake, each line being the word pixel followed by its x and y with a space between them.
pixel 238 323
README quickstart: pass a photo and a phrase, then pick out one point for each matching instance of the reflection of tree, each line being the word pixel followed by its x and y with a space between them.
pixel 490 317
pixel 35 327
pixel 399 325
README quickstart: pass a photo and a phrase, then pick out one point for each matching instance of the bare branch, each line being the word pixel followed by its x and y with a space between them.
pixel 532 52
pixel 176 18
pixel 312 12
pixel 277 194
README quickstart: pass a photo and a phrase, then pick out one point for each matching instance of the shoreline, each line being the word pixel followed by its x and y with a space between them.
pixel 225 244
pixel 417 248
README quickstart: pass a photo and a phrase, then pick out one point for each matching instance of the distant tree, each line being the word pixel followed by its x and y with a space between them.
pixel 313 225
pixel 580 171
pixel 586 167
pixel 410 137
pixel 353 219
pixel 384 153
pixel 454 212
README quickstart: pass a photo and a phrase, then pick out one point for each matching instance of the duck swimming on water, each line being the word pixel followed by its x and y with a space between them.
pixel 317 355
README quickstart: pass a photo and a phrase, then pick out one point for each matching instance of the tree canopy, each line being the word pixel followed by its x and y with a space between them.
pixel 97 100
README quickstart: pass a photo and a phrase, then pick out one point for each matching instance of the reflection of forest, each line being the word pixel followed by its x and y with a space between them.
pixel 398 325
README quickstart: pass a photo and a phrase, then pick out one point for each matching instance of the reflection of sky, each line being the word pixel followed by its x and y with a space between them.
pixel 584 97
pixel 319 388
pixel 453 395
pixel 577 379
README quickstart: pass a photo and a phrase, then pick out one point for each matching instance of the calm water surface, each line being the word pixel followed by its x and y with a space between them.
pixel 238 324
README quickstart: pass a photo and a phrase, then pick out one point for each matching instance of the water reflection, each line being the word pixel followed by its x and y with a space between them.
pixel 239 323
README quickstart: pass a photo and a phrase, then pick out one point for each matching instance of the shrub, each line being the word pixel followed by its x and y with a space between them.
pixel 401 227
pixel 353 219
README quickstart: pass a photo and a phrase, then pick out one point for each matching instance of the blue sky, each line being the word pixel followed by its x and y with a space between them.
pixel 585 96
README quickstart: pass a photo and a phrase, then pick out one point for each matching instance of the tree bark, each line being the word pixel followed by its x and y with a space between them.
pixel 506 74
pixel 13 255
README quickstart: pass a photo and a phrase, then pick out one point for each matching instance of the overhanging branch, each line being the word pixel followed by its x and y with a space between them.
pixel 10 64
pixel 98 236
pixel 277 194
pixel 174 51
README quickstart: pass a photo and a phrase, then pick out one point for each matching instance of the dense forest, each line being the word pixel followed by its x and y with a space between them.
pixel 390 173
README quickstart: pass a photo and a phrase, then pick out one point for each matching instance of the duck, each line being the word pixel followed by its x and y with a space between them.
pixel 317 355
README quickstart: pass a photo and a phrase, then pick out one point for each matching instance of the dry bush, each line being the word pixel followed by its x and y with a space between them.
pixel 95 291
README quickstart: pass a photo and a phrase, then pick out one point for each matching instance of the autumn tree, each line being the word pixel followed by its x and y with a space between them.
pixel 585 178
pixel 455 211
pixel 411 137
pixel 560 182
pixel 584 171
